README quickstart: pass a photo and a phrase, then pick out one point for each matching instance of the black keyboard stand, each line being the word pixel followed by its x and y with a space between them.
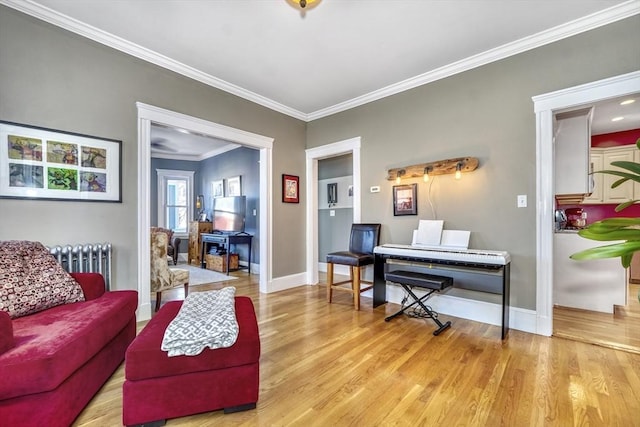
pixel 410 279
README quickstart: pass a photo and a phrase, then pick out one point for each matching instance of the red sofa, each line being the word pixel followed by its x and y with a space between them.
pixel 53 362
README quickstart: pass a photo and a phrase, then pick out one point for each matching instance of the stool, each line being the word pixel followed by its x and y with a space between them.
pixel 410 279
pixel 158 387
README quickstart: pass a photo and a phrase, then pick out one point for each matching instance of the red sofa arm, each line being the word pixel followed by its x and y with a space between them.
pixel 6 332
pixel 92 284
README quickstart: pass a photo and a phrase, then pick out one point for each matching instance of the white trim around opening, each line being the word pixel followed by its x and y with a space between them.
pixel 148 114
pixel 349 146
pixel 544 107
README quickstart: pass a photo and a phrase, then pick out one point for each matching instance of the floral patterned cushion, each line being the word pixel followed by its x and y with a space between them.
pixel 166 231
pixel 31 279
pixel 163 277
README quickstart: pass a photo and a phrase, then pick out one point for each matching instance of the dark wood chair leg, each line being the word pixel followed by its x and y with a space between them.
pixel 186 289
pixel 158 298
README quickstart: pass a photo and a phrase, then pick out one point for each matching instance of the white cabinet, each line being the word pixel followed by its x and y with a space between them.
pixel 596 178
pixel 601 159
pixel 572 144
pixel 623 192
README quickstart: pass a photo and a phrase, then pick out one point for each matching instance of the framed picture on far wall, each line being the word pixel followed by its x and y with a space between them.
pixel 234 186
pixel 40 163
pixel 217 188
pixel 405 199
pixel 290 188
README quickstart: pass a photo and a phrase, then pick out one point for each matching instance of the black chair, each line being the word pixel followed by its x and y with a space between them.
pixel 364 237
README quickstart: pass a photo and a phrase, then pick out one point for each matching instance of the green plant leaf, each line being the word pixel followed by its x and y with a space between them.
pixel 625 205
pixel 630 166
pixel 622 174
pixel 619 182
pixel 617 234
pixel 619 222
pixel 608 251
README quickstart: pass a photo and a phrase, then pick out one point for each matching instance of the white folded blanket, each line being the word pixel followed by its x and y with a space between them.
pixel 206 319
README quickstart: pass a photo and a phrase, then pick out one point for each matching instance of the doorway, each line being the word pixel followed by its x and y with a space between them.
pixel 544 106
pixel 349 146
pixel 149 114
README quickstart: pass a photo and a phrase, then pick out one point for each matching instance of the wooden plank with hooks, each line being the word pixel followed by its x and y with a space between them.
pixel 440 167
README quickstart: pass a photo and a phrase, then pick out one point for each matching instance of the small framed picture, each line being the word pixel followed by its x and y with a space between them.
pixel 217 188
pixel 290 188
pixel 202 217
pixel 405 199
pixel 332 193
pixel 234 186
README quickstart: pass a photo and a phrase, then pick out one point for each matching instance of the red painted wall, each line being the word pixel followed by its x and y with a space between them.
pixel 598 212
pixel 615 139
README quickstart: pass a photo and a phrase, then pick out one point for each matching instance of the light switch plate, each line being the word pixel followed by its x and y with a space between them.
pixel 375 189
pixel 332 213
pixel 522 200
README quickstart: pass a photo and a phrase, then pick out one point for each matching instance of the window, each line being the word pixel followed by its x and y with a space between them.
pixel 175 199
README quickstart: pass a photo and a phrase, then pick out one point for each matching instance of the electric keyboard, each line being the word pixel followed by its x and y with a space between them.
pixel 474 256
pixel 471 269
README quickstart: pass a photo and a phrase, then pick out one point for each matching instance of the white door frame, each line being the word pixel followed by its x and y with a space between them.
pixel 348 146
pixel 544 107
pixel 148 114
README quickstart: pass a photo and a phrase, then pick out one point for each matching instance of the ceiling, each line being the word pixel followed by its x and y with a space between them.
pixel 313 63
pixel 606 111
pixel 179 144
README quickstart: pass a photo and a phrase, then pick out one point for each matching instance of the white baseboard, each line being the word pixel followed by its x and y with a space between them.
pixel 480 311
pixel 520 319
pixel 255 268
pixel 288 282
pixel 143 313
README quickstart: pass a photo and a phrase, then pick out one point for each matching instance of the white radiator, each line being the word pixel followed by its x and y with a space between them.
pixel 85 258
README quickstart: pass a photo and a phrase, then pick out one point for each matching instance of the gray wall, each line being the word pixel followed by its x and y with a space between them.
pixel 487 113
pixel 334 231
pixel 52 78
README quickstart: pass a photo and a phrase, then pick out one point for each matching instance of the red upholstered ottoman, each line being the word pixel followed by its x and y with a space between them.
pixel 158 387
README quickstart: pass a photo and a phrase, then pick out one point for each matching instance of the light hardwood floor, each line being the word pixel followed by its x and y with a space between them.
pixel 326 364
pixel 620 330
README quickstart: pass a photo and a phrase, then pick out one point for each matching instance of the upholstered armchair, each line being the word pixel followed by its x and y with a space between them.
pixel 162 277
pixel 173 246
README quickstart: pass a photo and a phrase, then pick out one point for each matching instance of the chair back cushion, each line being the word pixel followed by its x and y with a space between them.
pixel 166 231
pixel 364 237
pixel 162 277
pixel 160 274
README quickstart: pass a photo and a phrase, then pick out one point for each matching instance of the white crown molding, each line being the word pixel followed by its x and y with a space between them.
pixel 118 43
pixel 589 22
